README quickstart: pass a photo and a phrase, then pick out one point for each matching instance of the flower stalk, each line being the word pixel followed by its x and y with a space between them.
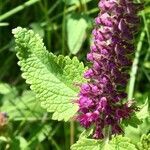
pixel 101 99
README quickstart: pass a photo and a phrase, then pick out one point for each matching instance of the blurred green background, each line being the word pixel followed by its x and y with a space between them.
pixel 65 26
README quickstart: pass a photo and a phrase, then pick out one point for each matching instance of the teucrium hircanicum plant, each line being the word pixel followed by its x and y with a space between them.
pixel 100 103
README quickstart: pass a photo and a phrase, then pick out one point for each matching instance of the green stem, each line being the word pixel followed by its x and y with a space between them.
pixel 148 36
pixel 137 54
pixel 146 23
pixel 107 137
pixel 135 65
pixel 4 24
pixel 17 9
pixel 71 133
pixel 63 30
pixel 84 6
pixel 53 7
pixel 70 9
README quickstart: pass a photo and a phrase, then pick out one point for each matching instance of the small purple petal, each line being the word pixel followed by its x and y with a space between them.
pixel 89 73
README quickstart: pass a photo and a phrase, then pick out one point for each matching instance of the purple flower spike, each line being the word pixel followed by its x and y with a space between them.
pixel 101 99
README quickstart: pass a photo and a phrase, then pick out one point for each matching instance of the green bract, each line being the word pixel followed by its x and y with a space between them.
pixel 52 78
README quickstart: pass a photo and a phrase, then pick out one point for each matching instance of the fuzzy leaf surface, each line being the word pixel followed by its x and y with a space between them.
pixel 117 143
pixel 88 144
pixel 52 78
pixel 121 143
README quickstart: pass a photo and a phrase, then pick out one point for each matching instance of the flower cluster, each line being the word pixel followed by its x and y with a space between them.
pixel 101 98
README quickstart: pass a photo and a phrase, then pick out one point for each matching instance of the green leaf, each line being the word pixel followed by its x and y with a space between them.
pixel 71 2
pixel 22 107
pixel 145 110
pixel 147 65
pixel 144 143
pixel 52 78
pixel 76 30
pixel 19 143
pixel 3 138
pixel 86 133
pixel 36 27
pixel 5 88
pixel 117 143
pixel 87 144
pixel 121 143
pixel 135 133
pixel 133 121
pixel 76 2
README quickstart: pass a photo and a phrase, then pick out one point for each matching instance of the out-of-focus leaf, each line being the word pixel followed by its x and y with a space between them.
pixel 71 2
pixel 76 30
pixel 5 88
pixel 147 65
pixel 37 28
pixel 22 106
pixel 3 138
pixel 75 2
pixel 19 143
pixel 147 10
pixel 40 133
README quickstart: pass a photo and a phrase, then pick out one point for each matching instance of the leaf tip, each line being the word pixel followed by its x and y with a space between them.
pixel 16 30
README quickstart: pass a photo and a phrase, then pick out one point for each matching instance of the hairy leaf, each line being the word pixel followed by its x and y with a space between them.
pixel 52 78
pixel 121 143
pixel 87 144
pixel 117 143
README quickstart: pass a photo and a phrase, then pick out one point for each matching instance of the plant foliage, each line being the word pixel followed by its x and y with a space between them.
pixel 52 78
pixel 117 143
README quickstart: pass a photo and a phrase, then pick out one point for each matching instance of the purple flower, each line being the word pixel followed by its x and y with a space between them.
pixel 100 100
pixel 88 118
